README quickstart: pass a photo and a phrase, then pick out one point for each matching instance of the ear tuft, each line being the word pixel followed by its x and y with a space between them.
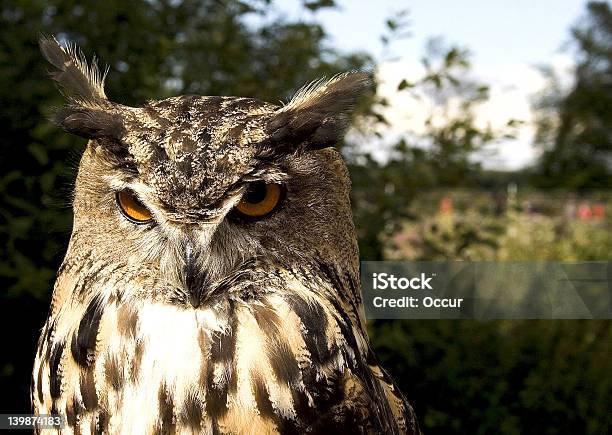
pixel 336 94
pixel 90 123
pixel 88 114
pixel 80 80
pixel 318 114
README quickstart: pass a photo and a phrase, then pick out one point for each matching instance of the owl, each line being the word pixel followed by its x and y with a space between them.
pixel 211 283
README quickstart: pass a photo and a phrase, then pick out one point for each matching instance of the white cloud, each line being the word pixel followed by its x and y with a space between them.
pixel 511 89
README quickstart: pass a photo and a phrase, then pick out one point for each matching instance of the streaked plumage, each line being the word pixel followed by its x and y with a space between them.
pixel 203 321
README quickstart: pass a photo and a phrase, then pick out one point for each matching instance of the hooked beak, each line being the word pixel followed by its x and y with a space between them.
pixel 195 278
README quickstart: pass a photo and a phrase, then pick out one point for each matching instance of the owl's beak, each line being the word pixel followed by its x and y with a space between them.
pixel 194 277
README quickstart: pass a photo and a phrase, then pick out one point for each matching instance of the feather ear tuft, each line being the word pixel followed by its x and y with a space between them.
pixel 80 80
pixel 88 114
pixel 318 114
pixel 90 123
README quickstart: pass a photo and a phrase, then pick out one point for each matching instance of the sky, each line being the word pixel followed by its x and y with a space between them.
pixel 507 40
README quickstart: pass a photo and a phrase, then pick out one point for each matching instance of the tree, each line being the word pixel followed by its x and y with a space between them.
pixel 441 157
pixel 574 128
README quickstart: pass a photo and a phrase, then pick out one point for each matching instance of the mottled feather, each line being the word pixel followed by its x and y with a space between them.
pixel 80 80
pixel 201 320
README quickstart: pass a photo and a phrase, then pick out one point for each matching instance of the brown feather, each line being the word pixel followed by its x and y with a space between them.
pixel 319 113
pixel 73 74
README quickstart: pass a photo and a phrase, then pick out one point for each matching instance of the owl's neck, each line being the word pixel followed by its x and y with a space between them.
pixel 261 354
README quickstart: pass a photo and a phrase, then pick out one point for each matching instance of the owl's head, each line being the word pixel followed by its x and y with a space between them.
pixel 191 187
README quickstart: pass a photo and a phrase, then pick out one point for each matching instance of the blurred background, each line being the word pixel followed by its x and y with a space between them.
pixel 488 136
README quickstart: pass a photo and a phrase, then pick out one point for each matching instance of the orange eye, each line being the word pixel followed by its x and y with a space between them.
pixel 260 199
pixel 131 207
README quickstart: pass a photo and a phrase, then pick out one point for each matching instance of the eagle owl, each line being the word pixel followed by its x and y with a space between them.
pixel 211 282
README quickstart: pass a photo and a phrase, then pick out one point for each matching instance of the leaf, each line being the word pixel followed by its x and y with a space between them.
pixel 315 5
pixel 39 153
pixel 514 122
pixel 451 56
pixel 380 118
pixel 404 84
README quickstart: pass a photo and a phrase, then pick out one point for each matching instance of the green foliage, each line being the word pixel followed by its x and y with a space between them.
pixel 573 126
pixel 493 227
pixel 442 157
pixel 507 377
